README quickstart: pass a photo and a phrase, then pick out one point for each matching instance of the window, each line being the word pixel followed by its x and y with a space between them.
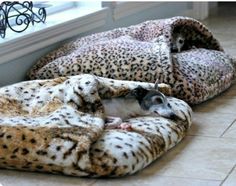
pixel 57 13
pixel 64 20
pixel 53 7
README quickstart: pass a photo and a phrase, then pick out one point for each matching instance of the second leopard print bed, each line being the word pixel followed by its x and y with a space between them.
pixel 145 52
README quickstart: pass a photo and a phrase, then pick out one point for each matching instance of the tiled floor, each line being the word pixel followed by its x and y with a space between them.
pixel 207 156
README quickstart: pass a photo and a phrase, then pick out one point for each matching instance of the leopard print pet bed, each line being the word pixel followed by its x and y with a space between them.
pixel 57 126
pixel 178 51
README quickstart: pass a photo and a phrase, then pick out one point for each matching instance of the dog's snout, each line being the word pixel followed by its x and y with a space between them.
pixel 173 116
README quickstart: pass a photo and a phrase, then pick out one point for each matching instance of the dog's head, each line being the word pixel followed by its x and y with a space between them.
pixel 154 101
pixel 177 43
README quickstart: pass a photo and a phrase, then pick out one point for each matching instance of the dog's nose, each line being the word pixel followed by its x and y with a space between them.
pixel 174 116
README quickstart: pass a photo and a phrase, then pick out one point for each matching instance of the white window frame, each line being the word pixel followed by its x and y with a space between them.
pixel 58 6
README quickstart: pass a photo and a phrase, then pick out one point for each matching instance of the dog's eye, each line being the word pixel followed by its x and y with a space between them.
pixel 158 100
pixel 181 41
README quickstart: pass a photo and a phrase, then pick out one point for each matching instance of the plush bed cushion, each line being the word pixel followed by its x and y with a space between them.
pixel 57 126
pixel 146 52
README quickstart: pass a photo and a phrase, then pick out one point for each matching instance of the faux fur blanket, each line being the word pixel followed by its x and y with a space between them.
pixel 178 51
pixel 58 126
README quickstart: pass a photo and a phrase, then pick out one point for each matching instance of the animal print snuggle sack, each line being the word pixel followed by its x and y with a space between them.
pixel 58 126
pixel 178 51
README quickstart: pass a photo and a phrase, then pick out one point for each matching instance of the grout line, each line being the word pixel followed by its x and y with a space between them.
pixel 92 183
pixel 191 178
pixel 136 175
pixel 233 138
pixel 228 175
pixel 214 137
pixel 227 128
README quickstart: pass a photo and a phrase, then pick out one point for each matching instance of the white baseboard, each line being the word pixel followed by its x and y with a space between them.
pixel 124 9
pixel 200 10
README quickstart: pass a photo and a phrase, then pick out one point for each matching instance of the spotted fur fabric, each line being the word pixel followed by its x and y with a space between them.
pixel 178 51
pixel 57 126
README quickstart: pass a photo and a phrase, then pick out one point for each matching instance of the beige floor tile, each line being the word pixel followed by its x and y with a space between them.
pixel 218 24
pixel 197 157
pixel 17 178
pixel 210 124
pixel 154 180
pixel 231 92
pixel 217 105
pixel 231 180
pixel 227 42
pixel 223 27
pixel 231 132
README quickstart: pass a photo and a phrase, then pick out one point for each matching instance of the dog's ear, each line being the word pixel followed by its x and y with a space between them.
pixel 156 85
pixel 137 93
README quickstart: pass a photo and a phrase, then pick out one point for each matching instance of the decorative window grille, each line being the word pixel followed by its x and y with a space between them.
pixel 18 16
